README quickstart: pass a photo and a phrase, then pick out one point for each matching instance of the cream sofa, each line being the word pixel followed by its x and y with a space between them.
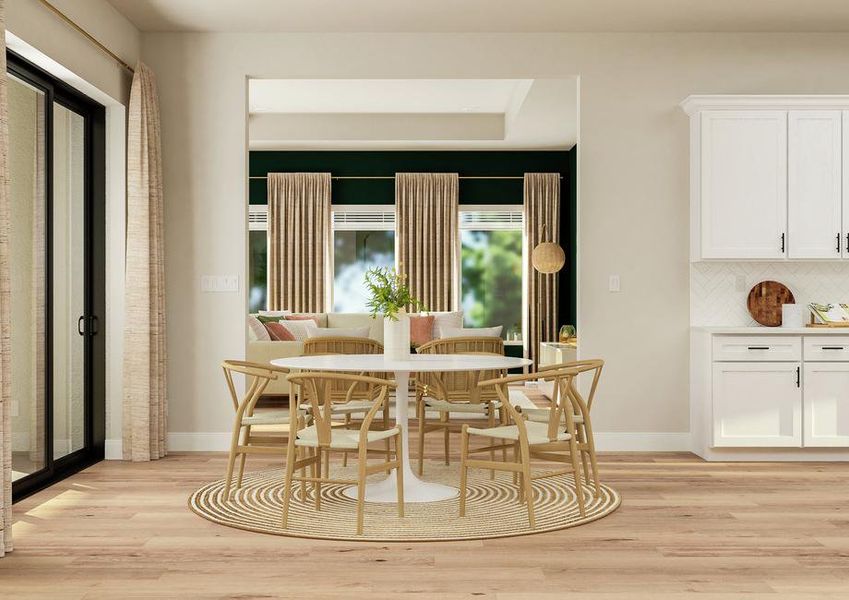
pixel 263 352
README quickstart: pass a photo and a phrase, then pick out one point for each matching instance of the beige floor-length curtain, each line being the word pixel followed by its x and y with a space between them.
pixel 145 407
pixel 5 311
pixel 542 209
pixel 427 236
pixel 298 241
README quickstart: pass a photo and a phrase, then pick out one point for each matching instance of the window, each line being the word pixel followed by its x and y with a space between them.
pixel 363 237
pixel 258 257
pixel 491 268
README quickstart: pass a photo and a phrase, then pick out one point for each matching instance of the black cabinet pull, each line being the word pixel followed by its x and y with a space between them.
pixel 758 347
pixel 832 348
pixel 95 325
pixel 838 243
pixel 798 377
pixel 782 243
pixel 80 326
pixel 847 243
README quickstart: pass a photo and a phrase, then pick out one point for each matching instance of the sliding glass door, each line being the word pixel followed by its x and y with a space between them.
pixel 56 172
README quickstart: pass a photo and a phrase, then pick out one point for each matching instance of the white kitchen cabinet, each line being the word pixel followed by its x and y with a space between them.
pixel 743 195
pixel 814 173
pixel 845 228
pixel 757 404
pixel 826 404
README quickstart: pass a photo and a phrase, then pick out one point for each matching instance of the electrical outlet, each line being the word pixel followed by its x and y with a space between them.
pixel 614 285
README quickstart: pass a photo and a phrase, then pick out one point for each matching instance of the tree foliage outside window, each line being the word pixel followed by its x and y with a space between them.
pixel 257 298
pixel 354 253
pixel 492 279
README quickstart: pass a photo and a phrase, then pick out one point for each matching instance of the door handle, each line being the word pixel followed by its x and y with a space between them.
pixel 95 325
pixel 832 348
pixel 838 243
pixel 80 322
pixel 782 242
pixel 758 347
pixel 798 377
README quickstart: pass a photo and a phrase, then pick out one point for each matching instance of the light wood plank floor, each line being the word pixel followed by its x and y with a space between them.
pixel 759 531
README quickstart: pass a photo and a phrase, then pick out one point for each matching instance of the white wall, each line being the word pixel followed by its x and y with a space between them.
pixel 633 185
pixel 41 37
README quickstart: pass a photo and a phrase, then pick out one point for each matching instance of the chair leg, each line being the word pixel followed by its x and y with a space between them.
pixel 464 454
pixel 515 460
pixel 287 487
pixel 593 459
pixel 582 443
pixel 527 484
pixel 444 419
pixel 385 427
pixel 491 423
pixel 576 467
pixel 320 454
pixel 241 474
pixel 362 459
pixel 399 474
pixel 231 461
pixel 347 426
pixel 420 408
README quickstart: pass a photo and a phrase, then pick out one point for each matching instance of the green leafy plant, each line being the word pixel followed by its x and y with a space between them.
pixel 388 293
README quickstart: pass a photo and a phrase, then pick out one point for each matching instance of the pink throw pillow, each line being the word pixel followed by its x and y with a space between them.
pixel 421 330
pixel 279 333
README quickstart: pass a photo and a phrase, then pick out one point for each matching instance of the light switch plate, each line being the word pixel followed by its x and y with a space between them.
pixel 614 284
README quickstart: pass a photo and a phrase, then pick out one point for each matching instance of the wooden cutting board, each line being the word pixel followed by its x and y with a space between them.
pixel 765 302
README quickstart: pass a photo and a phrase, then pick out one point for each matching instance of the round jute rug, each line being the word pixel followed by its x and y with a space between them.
pixel 492 510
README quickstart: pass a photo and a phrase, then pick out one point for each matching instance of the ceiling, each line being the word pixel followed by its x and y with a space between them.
pixel 413 113
pixel 487 15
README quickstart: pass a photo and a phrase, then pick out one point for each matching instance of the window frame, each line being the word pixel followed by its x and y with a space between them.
pixel 512 225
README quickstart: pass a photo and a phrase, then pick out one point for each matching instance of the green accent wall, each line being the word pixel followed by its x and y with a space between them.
pixel 513 163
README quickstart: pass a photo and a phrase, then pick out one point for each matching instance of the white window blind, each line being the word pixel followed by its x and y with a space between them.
pixel 491 218
pixel 364 218
pixel 257 217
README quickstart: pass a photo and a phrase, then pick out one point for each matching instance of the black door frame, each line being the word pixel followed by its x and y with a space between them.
pixel 95 277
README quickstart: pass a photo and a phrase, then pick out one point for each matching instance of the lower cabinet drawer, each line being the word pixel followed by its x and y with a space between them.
pixel 826 348
pixel 761 348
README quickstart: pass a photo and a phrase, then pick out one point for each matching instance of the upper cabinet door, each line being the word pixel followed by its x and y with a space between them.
pixel 744 184
pixel 845 229
pixel 814 184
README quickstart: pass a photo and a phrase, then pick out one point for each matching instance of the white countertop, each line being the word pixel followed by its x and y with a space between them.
pixel 776 330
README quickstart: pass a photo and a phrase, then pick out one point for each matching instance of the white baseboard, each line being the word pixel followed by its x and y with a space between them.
pixel 613 441
pixel 114 450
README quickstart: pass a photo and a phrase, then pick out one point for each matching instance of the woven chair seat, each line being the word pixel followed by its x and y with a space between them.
pixel 537 433
pixel 341 439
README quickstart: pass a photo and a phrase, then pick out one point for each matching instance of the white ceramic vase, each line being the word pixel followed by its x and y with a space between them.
pixel 396 337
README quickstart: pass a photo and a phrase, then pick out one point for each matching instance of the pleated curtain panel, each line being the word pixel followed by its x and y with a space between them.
pixel 145 409
pixel 298 241
pixel 426 207
pixel 542 208
pixel 5 311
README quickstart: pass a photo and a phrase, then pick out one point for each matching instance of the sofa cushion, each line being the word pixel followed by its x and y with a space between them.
pixel 360 332
pixel 299 329
pixel 454 332
pixel 269 318
pixel 256 330
pixel 319 318
pixel 279 332
pixel 421 329
pixel 275 313
pixel 445 319
pixel 347 320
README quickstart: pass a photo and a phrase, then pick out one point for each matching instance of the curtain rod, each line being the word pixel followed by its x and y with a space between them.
pixel 393 177
pixel 87 35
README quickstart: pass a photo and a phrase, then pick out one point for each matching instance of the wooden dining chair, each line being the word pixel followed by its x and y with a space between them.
pixel 456 391
pixel 583 423
pixel 320 438
pixel 350 401
pixel 264 433
pixel 550 441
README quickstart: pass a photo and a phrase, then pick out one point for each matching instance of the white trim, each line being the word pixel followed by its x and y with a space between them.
pixel 775 455
pixel 113 450
pixel 695 103
pixel 605 442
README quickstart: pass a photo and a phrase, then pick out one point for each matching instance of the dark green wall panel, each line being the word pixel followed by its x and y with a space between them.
pixel 514 163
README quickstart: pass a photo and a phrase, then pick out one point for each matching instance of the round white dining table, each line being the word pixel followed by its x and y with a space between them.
pixel 415 490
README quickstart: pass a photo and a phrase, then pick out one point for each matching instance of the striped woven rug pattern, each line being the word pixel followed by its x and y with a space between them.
pixel 493 509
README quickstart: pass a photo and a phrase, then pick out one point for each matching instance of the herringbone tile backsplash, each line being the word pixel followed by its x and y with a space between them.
pixel 716 299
